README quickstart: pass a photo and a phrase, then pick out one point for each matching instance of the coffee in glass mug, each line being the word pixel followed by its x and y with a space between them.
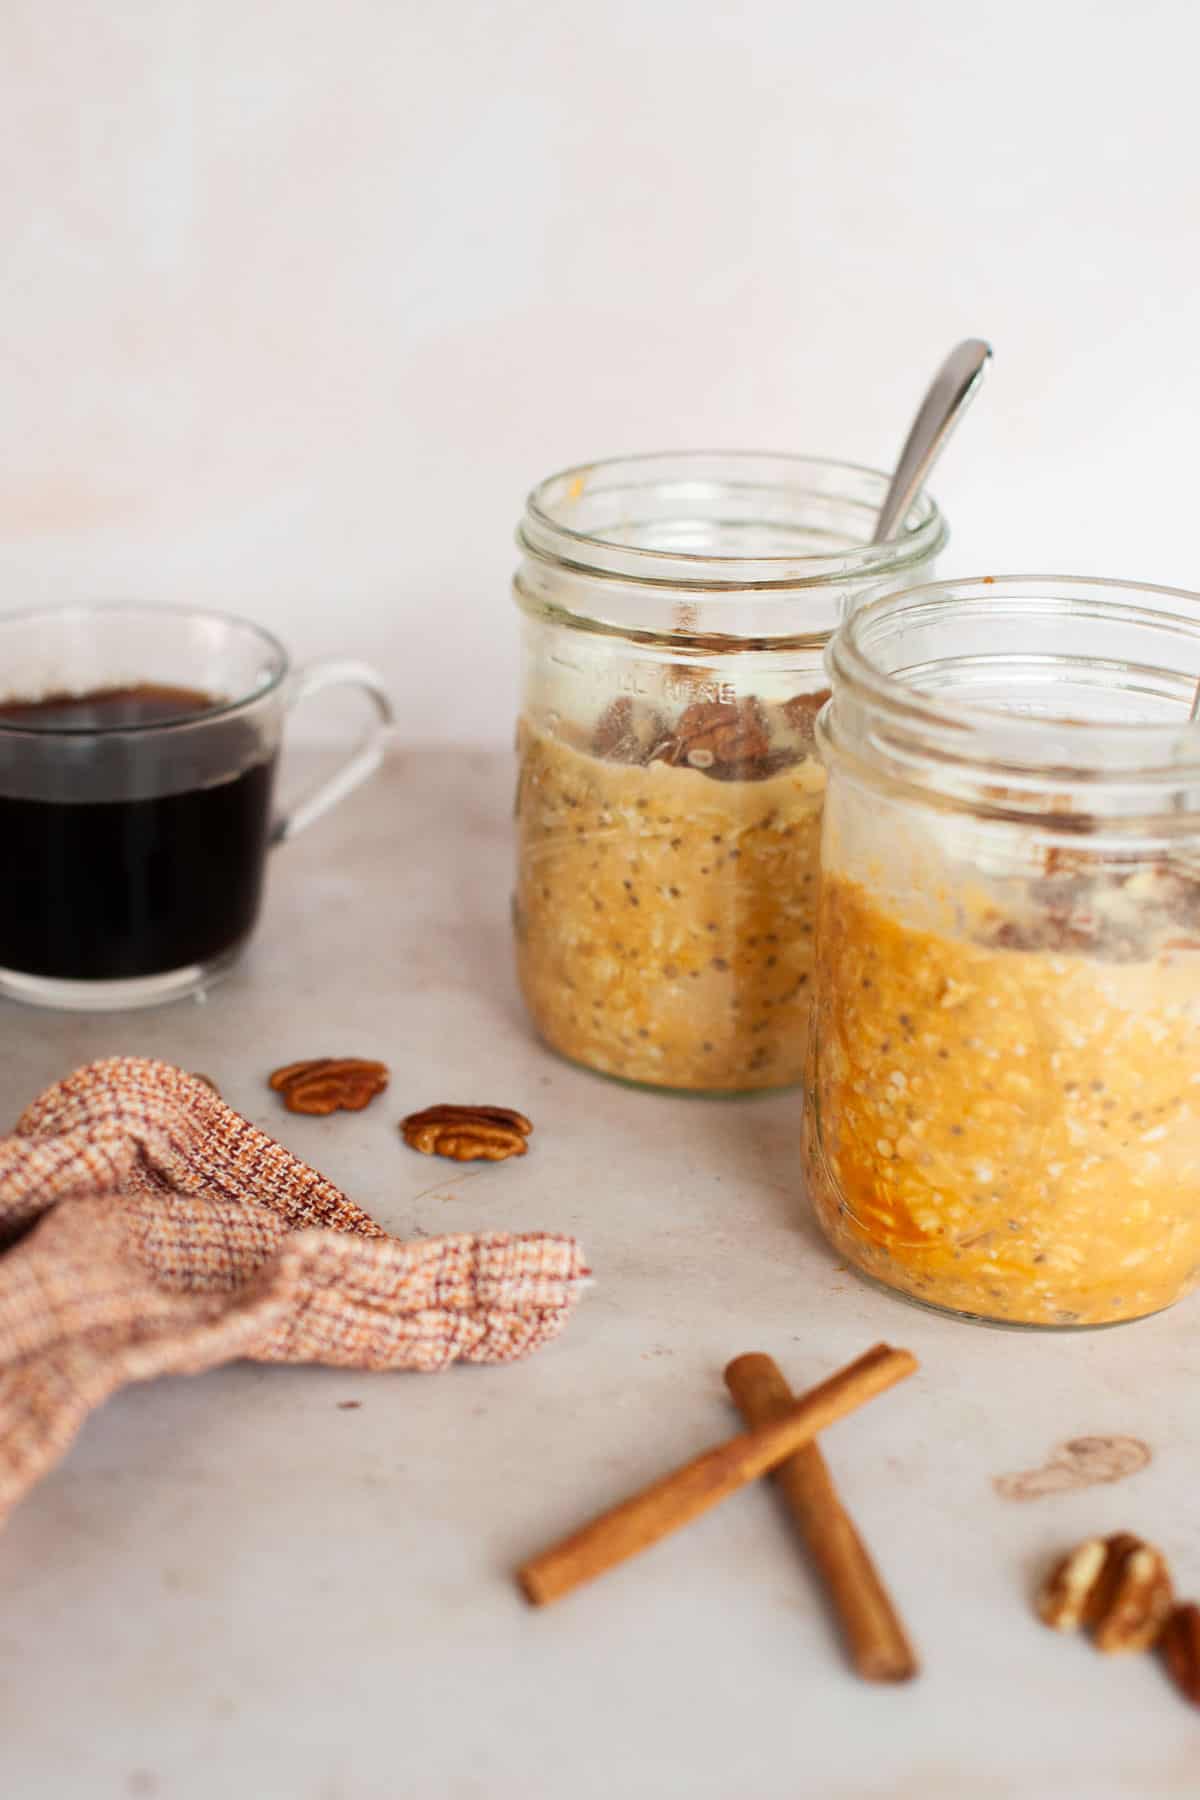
pixel 138 751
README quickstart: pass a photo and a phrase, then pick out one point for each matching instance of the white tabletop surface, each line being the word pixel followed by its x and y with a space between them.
pixel 233 1586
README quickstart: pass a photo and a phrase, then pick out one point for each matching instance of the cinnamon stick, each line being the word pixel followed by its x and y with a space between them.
pixel 687 1492
pixel 878 1644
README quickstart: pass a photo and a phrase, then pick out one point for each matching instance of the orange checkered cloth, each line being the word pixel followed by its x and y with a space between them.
pixel 151 1230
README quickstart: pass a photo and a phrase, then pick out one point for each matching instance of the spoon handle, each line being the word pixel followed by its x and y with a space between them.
pixel 950 390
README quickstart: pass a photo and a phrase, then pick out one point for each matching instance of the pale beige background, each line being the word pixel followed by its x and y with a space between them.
pixel 300 296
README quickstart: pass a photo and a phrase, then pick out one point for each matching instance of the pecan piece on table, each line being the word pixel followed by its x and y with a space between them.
pixel 467 1133
pixel 1180 1645
pixel 1133 1597
pixel 325 1084
pixel 1119 1587
pixel 1065 1595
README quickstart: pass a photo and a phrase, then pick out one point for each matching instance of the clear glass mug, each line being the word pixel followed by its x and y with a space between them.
pixel 675 611
pixel 138 749
pixel 1002 1114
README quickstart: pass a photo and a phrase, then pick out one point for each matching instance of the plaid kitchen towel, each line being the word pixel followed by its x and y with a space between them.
pixel 152 1230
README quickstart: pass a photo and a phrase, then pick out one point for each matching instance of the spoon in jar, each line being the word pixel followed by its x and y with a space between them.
pixel 944 404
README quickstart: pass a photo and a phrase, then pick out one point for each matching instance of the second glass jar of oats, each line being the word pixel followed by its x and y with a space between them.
pixel 675 613
pixel 1003 1113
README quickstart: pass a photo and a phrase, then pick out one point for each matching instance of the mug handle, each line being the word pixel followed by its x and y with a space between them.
pixel 362 761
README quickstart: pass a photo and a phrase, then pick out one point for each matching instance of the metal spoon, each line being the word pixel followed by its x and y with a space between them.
pixel 944 404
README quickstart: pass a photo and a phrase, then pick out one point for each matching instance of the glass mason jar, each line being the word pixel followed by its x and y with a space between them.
pixel 676 609
pixel 1003 1103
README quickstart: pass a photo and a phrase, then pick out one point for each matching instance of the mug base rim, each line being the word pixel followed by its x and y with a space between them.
pixel 135 994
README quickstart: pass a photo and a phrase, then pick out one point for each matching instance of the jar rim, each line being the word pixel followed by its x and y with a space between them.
pixel 994 737
pixel 546 534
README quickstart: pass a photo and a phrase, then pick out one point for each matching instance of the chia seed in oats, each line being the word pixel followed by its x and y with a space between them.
pixel 1054 1074
pixel 665 893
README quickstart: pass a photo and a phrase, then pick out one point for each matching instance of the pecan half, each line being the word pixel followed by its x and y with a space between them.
pixel 1064 1596
pixel 467 1133
pixel 719 735
pixel 1180 1645
pixel 626 733
pixel 1119 1587
pixel 325 1084
pixel 1133 1597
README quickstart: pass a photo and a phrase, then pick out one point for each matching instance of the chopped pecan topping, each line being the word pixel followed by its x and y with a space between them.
pixel 1053 930
pixel 728 740
pixel 325 1084
pixel 208 1082
pixel 1119 1587
pixel 718 735
pixel 467 1133
pixel 626 733
pixel 614 731
pixel 1117 908
pixel 801 713
pixel 1180 1645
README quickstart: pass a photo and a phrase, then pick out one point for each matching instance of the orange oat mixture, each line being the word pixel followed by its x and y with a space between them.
pixel 1002 1128
pixel 665 918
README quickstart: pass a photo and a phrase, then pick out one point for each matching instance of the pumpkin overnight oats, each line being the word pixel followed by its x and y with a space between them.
pixel 666 890
pixel 1002 1112
pixel 1005 1118
pixel 675 612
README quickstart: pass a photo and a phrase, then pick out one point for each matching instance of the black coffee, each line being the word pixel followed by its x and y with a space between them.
pixel 104 888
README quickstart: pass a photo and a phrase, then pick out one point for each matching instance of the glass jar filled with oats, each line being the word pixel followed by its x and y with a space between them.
pixel 1003 1113
pixel 675 614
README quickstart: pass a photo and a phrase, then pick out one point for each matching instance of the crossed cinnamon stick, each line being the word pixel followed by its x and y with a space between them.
pixel 780 1438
